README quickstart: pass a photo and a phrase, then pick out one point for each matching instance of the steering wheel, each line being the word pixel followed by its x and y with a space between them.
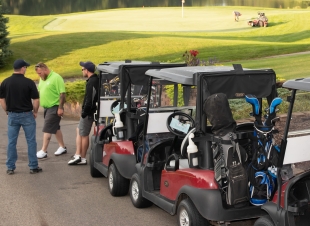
pixel 183 124
pixel 113 105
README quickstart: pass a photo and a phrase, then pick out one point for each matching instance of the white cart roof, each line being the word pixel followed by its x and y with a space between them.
pixel 114 67
pixel 188 75
pixel 298 84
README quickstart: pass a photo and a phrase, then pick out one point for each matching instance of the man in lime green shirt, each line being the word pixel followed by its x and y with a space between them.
pixel 52 98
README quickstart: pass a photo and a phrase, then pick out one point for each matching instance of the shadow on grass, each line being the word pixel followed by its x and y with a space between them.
pixel 52 46
pixel 55 45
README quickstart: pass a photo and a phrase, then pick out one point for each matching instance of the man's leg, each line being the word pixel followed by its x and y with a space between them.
pixel 29 126
pixel 46 140
pixel 59 138
pixel 13 131
pixel 78 142
pixel 82 141
pixel 85 145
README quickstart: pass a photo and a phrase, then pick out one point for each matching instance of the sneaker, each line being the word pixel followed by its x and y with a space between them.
pixel 10 172
pixel 74 160
pixel 83 161
pixel 41 154
pixel 61 151
pixel 37 170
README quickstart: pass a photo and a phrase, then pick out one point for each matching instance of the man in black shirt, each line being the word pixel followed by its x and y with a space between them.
pixel 89 107
pixel 19 98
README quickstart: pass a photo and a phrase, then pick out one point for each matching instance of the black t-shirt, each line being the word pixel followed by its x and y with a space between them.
pixel 17 90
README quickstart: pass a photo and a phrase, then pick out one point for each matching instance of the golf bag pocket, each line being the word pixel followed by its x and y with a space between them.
pixel 237 191
pixel 229 170
pixel 273 155
pixel 261 188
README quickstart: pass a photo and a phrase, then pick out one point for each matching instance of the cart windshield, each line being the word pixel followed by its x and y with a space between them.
pixel 298 140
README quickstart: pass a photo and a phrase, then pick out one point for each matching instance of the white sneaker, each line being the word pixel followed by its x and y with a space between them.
pixel 82 162
pixel 61 151
pixel 41 154
pixel 75 160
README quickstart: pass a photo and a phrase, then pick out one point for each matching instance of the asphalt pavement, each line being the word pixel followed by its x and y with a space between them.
pixel 62 194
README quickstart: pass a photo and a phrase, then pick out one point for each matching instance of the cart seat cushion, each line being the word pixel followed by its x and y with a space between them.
pixel 183 163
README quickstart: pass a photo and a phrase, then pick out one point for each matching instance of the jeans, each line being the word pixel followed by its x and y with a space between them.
pixel 28 122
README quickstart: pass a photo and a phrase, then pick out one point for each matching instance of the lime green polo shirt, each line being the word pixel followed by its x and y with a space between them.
pixel 50 90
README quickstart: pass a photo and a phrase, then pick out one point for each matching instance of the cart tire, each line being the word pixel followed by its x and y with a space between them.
pixel 93 171
pixel 135 192
pixel 118 185
pixel 188 215
pixel 264 221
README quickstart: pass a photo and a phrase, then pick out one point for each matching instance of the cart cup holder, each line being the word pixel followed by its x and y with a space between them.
pixel 120 133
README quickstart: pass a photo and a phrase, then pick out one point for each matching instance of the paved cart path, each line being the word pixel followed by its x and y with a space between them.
pixel 62 194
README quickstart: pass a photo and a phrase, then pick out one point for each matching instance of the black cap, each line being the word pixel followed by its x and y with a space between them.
pixel 90 66
pixel 18 64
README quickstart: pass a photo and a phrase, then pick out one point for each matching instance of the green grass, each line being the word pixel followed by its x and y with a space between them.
pixel 161 34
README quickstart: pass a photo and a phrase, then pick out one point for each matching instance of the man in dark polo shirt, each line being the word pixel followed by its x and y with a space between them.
pixel 19 98
pixel 89 107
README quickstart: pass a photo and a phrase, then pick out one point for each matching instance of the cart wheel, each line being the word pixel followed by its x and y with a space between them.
pixel 188 215
pixel 264 221
pixel 93 171
pixel 135 192
pixel 118 185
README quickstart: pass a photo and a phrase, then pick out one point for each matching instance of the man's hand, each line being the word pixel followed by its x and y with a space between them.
pixel 60 112
pixel 35 114
pixel 83 115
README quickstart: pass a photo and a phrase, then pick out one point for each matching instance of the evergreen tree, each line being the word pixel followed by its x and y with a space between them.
pixel 4 41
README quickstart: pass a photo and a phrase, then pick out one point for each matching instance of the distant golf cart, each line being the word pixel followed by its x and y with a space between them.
pixel 290 207
pixel 178 173
pixel 114 146
pixel 260 21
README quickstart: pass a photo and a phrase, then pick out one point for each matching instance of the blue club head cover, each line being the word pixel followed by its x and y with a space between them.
pixel 275 102
pixel 251 99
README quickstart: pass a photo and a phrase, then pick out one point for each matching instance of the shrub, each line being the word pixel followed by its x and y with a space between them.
pixel 75 91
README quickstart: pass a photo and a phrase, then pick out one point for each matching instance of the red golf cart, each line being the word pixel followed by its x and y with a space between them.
pixel 178 173
pixel 114 146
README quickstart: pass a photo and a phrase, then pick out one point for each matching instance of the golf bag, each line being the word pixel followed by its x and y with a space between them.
pixel 265 153
pixel 228 155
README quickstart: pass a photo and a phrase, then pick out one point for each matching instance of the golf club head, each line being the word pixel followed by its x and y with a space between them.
pixel 275 102
pixel 251 99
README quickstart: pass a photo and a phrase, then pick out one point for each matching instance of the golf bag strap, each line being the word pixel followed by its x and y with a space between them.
pixel 212 138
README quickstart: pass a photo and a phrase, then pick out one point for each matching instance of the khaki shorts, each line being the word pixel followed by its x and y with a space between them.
pixel 85 125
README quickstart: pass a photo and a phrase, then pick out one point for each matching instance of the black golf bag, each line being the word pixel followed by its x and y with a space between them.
pixel 229 157
pixel 262 169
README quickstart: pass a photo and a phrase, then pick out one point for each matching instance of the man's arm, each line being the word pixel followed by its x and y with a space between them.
pixel 3 104
pixel 35 104
pixel 62 100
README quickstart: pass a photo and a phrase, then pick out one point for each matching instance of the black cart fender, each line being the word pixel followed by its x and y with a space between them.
pixel 279 217
pixel 208 202
pixel 125 164
pixel 96 147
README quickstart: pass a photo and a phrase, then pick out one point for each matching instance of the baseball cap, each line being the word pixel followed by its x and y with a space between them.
pixel 90 66
pixel 18 64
